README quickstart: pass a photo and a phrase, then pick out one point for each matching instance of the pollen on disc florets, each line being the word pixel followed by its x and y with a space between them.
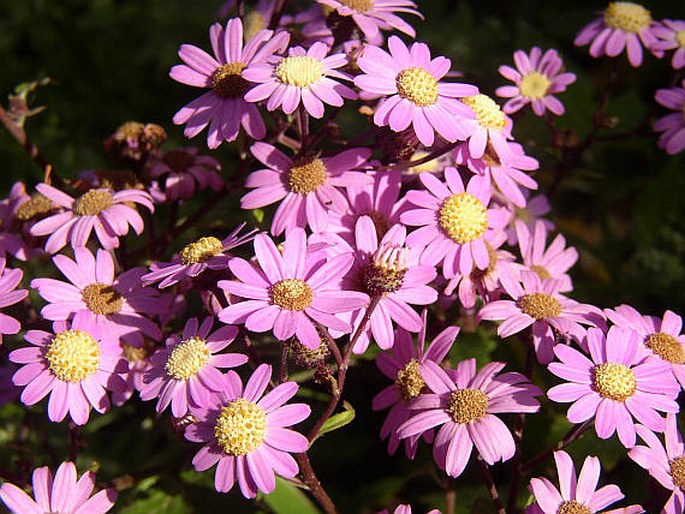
pixel 463 217
pixel 178 160
pixel 680 38
pixel 573 507
pixel 666 347
pixel 201 250
pixel 93 202
pixel 291 294
pixel 307 175
pixel 409 381
pixel 418 86
pixel 627 16
pixel 228 81
pixel 36 206
pixel 73 355
pixel 101 299
pixel 358 5
pixel 187 358
pixel 539 305
pixel 614 381
pixel 535 85
pixel 240 427
pixel 467 405
pixel 299 70
pixel 385 273
pixel 677 471
pixel 488 113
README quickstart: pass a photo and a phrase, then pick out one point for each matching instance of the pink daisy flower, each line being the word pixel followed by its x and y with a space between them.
pixel 538 76
pixel 671 36
pixel 615 384
pixel 409 81
pixel 665 464
pixel 490 129
pixel 119 303
pixel 622 26
pixel 245 433
pixel 307 187
pixel 404 366
pixel 455 222
pixel 576 494
pixel 64 493
pixel 9 295
pixel 672 125
pixel 464 403
pixel 290 291
pixel 75 365
pixel 406 509
pixel 107 212
pixel 305 75
pixel 182 172
pixel 224 108
pixel 185 372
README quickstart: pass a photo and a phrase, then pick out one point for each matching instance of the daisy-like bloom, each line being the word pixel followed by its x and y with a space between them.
pixel 246 433
pixel 575 495
pixel 403 365
pixel 409 81
pixel 660 337
pixel 455 222
pixel 614 385
pixel 207 253
pixel 107 212
pixel 119 303
pixel 182 172
pixel 538 76
pixel 75 365
pixel 62 493
pixel 406 509
pixel 307 187
pixel 672 125
pixel 490 125
pixel 666 463
pixel 464 404
pixel 536 303
pixel 671 36
pixel 224 108
pixel 290 291
pixel 9 295
pixel 622 26
pixel 372 16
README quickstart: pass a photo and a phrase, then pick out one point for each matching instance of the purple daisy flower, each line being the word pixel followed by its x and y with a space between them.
pixel 406 509
pixel 622 26
pixel 63 493
pixel 409 81
pixel 75 365
pixel 575 494
pixel 9 295
pixel 290 291
pixel 307 187
pixel 671 36
pixel 672 125
pixel 538 76
pixel 245 433
pixel 304 75
pixel 183 172
pixel 107 212
pixel 185 373
pixel 617 384
pixel 464 403
pixel 455 222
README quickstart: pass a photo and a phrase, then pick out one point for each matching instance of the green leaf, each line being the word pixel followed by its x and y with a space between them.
pixel 258 215
pixel 337 421
pixel 288 499
pixel 158 502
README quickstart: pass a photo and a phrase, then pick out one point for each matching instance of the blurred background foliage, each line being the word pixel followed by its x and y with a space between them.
pixel 620 203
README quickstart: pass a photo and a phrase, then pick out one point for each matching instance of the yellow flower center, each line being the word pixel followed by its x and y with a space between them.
pixel 178 160
pixel 201 250
pixel 73 355
pixel 418 86
pixel 291 294
pixel 680 38
pixel 240 427
pixel 677 472
pixel 627 16
pixel 253 22
pixel 35 206
pixel 299 70
pixel 666 347
pixel 101 299
pixel 358 5
pixel 467 405
pixel 228 81
pixel 541 271
pixel 306 175
pixel 463 217
pixel 534 85
pixel 488 113
pixel 614 381
pixel 93 202
pixel 539 305
pixel 573 507
pixel 409 381
pixel 187 358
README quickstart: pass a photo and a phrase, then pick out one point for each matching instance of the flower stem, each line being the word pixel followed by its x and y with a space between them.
pixel 315 486
pixel 490 485
pixel 572 435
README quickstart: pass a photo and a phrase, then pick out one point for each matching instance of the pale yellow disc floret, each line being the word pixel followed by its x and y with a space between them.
pixel 240 427
pixel 93 202
pixel 666 347
pixel 627 16
pixel 307 175
pixel 467 405
pixel 228 81
pixel 73 355
pixel 299 70
pixel 409 381
pixel 488 113
pixel 101 299
pixel 677 471
pixel 358 5
pixel 37 205
pixel 463 217
pixel 253 22
pixel 680 38
pixel 573 507
pixel 201 250
pixel 187 358
pixel 614 381
pixel 539 305
pixel 418 86
pixel 291 294
pixel 534 85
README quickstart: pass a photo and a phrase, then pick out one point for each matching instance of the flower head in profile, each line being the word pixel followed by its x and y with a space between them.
pixel 9 295
pixel 64 493
pixel 410 83
pixel 182 172
pixel 538 77
pixel 245 433
pixel 672 125
pixel 671 36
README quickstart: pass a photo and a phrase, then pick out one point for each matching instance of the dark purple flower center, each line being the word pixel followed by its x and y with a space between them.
pixel 228 81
